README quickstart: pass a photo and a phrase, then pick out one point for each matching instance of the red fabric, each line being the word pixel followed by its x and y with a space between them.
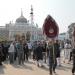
pixel 74 34
pixel 50 23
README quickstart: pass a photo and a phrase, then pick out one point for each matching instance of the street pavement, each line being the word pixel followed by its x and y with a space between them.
pixel 30 68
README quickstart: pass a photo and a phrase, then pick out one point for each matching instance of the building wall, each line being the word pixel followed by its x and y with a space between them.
pixel 70 30
pixel 62 36
pixel 20 28
pixel 4 34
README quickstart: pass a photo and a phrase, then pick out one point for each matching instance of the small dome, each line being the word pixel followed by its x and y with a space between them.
pixel 21 19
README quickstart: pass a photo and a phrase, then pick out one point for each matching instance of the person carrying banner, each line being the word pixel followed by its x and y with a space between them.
pixel 52 56
pixel 51 30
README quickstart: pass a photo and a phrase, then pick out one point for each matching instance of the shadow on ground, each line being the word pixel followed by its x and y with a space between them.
pixel 30 62
pixel 44 68
pixel 64 67
pixel 2 69
pixel 23 66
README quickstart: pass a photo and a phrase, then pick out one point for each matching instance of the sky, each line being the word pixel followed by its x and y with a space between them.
pixel 63 11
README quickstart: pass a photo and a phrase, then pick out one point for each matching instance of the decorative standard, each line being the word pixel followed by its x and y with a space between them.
pixel 51 30
pixel 50 27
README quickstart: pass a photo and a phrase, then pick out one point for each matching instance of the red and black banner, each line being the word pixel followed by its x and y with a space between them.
pixel 50 27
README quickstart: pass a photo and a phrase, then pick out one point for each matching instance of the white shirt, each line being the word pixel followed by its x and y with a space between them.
pixel 29 45
pixel 11 48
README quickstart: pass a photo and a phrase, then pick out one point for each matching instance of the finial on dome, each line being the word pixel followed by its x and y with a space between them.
pixel 31 8
pixel 21 12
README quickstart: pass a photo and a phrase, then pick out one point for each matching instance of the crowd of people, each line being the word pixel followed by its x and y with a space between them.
pixel 40 51
pixel 20 50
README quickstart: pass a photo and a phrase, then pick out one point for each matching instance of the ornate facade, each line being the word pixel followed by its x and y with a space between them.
pixel 23 27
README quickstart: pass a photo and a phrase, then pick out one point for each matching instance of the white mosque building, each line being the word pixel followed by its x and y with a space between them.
pixel 22 26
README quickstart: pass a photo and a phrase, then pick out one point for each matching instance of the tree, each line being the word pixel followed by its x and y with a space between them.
pixel 17 37
pixel 28 35
pixel 23 36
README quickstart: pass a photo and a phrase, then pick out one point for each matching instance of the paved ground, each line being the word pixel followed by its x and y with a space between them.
pixel 30 68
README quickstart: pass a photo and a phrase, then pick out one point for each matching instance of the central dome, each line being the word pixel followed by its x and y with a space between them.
pixel 21 19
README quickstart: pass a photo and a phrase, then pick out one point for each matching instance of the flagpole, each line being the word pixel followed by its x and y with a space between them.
pixel 53 54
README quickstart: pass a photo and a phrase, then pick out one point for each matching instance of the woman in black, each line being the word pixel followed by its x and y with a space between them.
pixel 57 47
pixel 26 51
pixel 1 54
pixel 39 54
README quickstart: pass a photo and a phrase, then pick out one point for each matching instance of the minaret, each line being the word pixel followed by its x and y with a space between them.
pixel 31 15
pixel 21 13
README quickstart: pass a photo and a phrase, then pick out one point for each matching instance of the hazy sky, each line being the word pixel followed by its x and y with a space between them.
pixel 63 11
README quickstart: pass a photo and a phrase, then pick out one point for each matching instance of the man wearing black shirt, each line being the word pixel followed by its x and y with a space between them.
pixel 73 54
